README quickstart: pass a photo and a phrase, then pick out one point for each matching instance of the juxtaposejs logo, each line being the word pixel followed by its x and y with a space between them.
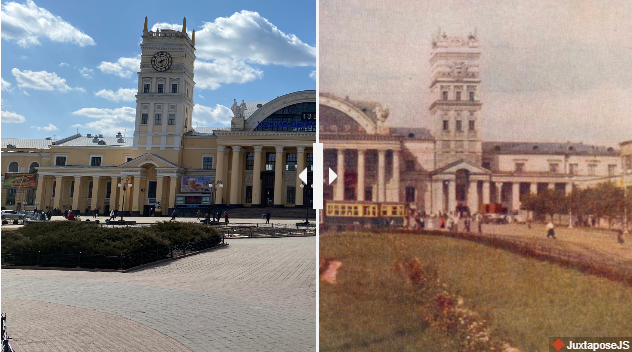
pixel 592 344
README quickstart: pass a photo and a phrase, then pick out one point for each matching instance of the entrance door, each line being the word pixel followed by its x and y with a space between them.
pixel 268 197
pixel 267 188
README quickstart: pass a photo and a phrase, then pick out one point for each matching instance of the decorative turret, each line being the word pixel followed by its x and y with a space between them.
pixel 184 25
pixel 145 28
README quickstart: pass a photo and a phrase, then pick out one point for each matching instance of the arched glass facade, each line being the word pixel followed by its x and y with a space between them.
pixel 299 117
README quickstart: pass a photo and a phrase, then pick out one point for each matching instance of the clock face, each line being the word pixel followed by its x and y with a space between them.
pixel 161 61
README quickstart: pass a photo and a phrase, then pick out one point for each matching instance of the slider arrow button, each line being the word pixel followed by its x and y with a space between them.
pixel 332 176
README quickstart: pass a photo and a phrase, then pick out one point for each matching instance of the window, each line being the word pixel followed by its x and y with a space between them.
pixel 158 120
pixel 472 125
pixel 90 189
pixel 187 91
pixel 487 165
pixel 14 166
pixel 129 158
pixel 612 169
pixel 11 196
pixel 573 168
pixel 174 88
pixel 95 161
pixel 143 119
pixel 160 88
pixel 592 169
pixel 444 95
pixel 72 189
pixel 33 166
pixel 291 191
pixel 30 197
pixel 248 194
pixel 54 188
pixel 410 194
pixel 290 162
pixel 151 189
pixel 172 119
pixel 270 161
pixel 410 165
pixel 459 126
pixel 146 88
pixel 446 125
pixel 207 163
pixel 60 161
pixel 458 95
pixel 250 161
pixel 471 96
pixel 368 193
pixel 554 167
pixel 519 167
pixel 310 161
pixel 108 189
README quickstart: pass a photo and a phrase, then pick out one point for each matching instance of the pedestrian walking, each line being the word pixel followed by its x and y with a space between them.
pixel 267 217
pixel 94 213
pixel 207 217
pixel 198 215
pixel 467 224
pixel 620 237
pixel 66 213
pixel 173 215
pixel 226 217
pixel 112 215
pixel 550 230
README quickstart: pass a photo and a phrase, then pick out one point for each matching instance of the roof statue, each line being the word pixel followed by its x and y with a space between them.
pixel 184 25
pixel 145 28
pixel 239 115
pixel 242 108
pixel 235 108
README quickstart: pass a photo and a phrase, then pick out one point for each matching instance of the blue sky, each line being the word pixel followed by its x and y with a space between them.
pixel 72 65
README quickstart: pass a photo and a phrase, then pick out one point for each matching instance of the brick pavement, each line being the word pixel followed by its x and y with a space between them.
pixel 254 295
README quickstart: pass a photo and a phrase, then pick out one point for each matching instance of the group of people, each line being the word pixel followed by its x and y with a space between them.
pixel 444 221
pixel 207 218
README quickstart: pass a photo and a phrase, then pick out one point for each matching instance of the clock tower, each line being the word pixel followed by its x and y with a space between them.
pixel 164 103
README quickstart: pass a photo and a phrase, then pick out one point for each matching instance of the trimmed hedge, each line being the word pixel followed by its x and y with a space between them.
pixel 75 237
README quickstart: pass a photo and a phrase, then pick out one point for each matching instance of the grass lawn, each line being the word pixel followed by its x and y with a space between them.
pixel 370 309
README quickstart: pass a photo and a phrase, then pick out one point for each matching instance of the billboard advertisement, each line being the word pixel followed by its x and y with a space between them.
pixel 20 181
pixel 196 184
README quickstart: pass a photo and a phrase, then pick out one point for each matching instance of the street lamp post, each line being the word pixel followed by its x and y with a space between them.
pixel 124 185
pixel 306 201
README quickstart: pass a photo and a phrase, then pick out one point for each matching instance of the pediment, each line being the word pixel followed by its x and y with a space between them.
pixel 452 168
pixel 150 158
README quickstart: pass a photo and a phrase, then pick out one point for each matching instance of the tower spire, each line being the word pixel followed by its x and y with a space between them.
pixel 145 28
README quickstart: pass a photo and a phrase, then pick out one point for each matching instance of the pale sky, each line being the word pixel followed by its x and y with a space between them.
pixel 552 71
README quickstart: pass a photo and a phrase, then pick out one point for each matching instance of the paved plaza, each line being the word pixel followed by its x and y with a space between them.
pixel 253 295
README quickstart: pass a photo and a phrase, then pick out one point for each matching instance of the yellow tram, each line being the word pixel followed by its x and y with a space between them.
pixel 367 214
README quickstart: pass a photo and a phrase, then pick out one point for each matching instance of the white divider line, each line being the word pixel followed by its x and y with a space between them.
pixel 318 176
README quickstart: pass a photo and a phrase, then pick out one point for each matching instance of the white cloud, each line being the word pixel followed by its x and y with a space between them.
pixel 48 128
pixel 86 72
pixel 123 67
pixel 11 117
pixel 6 86
pixel 206 116
pixel 25 23
pixel 249 37
pixel 63 64
pixel 108 121
pixel 212 74
pixel 25 93
pixel 123 94
pixel 201 96
pixel 41 80
pixel 312 75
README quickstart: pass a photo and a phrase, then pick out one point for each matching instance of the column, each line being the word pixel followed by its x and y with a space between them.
pixel 256 177
pixel 137 203
pixel 499 192
pixel 568 188
pixel 159 194
pixel 59 180
pixel 361 169
pixel 381 175
pixel 234 177
pixel 533 188
pixel 437 196
pixel 300 162
pixel 339 192
pixel 219 172
pixel 224 198
pixel 95 192
pixel 486 192
pixel 452 196
pixel 76 193
pixel 114 191
pixel 173 189
pixel 472 197
pixel 41 184
pixel 515 196
pixel 278 178
pixel 396 171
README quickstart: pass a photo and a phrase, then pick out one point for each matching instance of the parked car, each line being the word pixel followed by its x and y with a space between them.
pixel 12 214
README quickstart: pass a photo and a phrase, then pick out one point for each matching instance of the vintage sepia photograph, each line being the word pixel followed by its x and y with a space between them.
pixel 479 162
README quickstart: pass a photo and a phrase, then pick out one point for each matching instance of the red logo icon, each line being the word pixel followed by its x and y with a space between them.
pixel 558 344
